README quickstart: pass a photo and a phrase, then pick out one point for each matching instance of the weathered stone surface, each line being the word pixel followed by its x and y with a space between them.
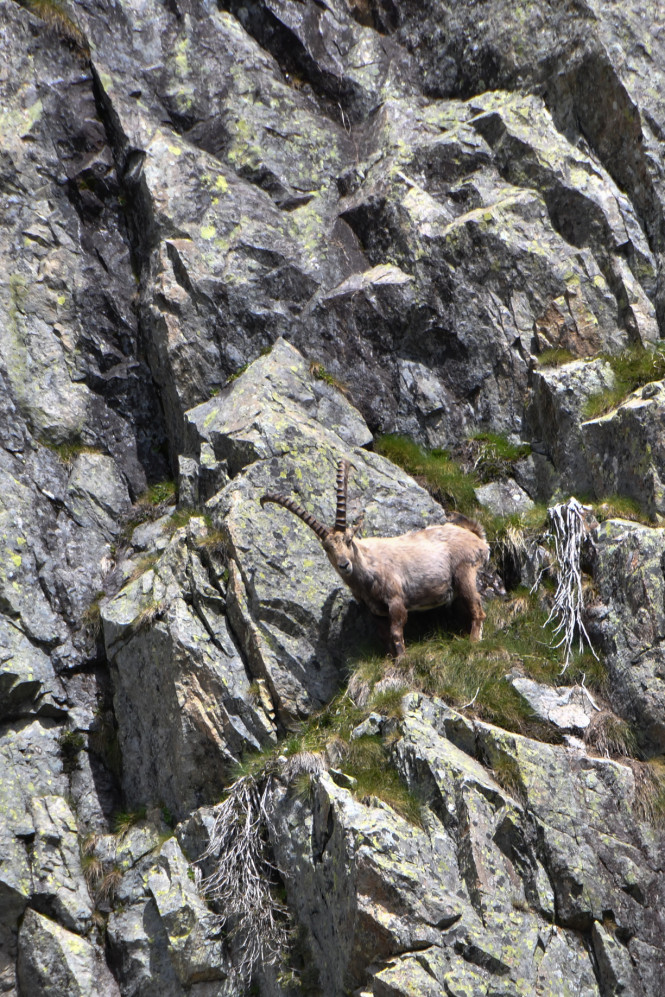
pixel 624 449
pixel 161 936
pixel 568 708
pixel 58 884
pixel 181 689
pixel 504 498
pixel 555 415
pixel 53 961
pixel 28 684
pixel 628 571
pixel 500 861
pixel 419 197
pixel 276 407
pixel 31 766
pixel 196 956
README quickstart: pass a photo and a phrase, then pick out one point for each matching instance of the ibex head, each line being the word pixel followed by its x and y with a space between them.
pixel 338 541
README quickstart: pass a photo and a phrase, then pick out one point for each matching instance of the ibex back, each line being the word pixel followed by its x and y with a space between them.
pixel 392 575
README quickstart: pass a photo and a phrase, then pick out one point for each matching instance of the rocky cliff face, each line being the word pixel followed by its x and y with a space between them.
pixel 239 242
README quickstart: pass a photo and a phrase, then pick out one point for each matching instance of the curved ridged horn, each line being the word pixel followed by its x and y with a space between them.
pixel 321 531
pixel 342 483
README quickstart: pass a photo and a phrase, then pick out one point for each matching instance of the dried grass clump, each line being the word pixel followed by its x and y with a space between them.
pixel 611 736
pixel 242 886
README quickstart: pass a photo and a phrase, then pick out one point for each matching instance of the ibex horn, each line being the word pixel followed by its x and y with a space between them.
pixel 321 531
pixel 342 483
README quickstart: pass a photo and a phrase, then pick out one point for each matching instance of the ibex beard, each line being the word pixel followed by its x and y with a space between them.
pixel 393 575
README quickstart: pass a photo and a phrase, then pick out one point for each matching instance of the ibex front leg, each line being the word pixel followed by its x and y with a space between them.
pixel 398 616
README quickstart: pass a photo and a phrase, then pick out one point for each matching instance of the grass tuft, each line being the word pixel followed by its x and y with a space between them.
pixel 494 456
pixel 70 450
pixel 632 368
pixel 620 507
pixel 125 820
pixel 435 469
pixel 158 494
pixel 58 17
pixel 650 791
pixel 327 735
pixel 611 736
pixel 555 357
pixel 318 371
pixel 472 675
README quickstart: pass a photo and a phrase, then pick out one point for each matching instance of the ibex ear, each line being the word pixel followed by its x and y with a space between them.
pixel 358 525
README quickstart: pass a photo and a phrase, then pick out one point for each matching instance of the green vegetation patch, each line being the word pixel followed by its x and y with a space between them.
pixel 620 507
pixel 70 450
pixel 158 494
pixel 472 675
pixel 70 743
pixel 632 368
pixel 556 357
pixel 318 371
pixel 365 760
pixel 435 469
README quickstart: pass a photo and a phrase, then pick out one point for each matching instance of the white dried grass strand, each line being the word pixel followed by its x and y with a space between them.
pixel 568 530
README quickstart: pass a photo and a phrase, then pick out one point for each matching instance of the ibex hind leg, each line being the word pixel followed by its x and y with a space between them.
pixel 467 590
pixel 384 629
pixel 398 617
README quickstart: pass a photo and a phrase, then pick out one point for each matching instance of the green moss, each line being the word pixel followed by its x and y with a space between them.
pixel 620 507
pixel 237 373
pixel 159 493
pixel 632 368
pixel 70 450
pixel 321 374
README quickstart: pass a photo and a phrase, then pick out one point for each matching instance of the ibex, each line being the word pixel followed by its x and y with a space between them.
pixel 391 575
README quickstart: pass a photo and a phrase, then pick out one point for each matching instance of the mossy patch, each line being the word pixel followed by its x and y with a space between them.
pixel 70 450
pixel 318 371
pixel 620 507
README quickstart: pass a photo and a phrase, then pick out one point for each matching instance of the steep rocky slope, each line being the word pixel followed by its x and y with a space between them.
pixel 239 242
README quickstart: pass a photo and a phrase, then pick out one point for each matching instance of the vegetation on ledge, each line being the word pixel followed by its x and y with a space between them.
pixel 632 368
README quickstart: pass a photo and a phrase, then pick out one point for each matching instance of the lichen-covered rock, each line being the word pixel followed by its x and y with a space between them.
pixel 555 417
pixel 277 406
pixel 418 198
pixel 628 570
pixel 569 708
pixel 53 961
pixel 509 897
pixel 31 767
pixel 624 449
pixel 181 689
pixel 285 430
pixel 503 498
pixel 58 884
